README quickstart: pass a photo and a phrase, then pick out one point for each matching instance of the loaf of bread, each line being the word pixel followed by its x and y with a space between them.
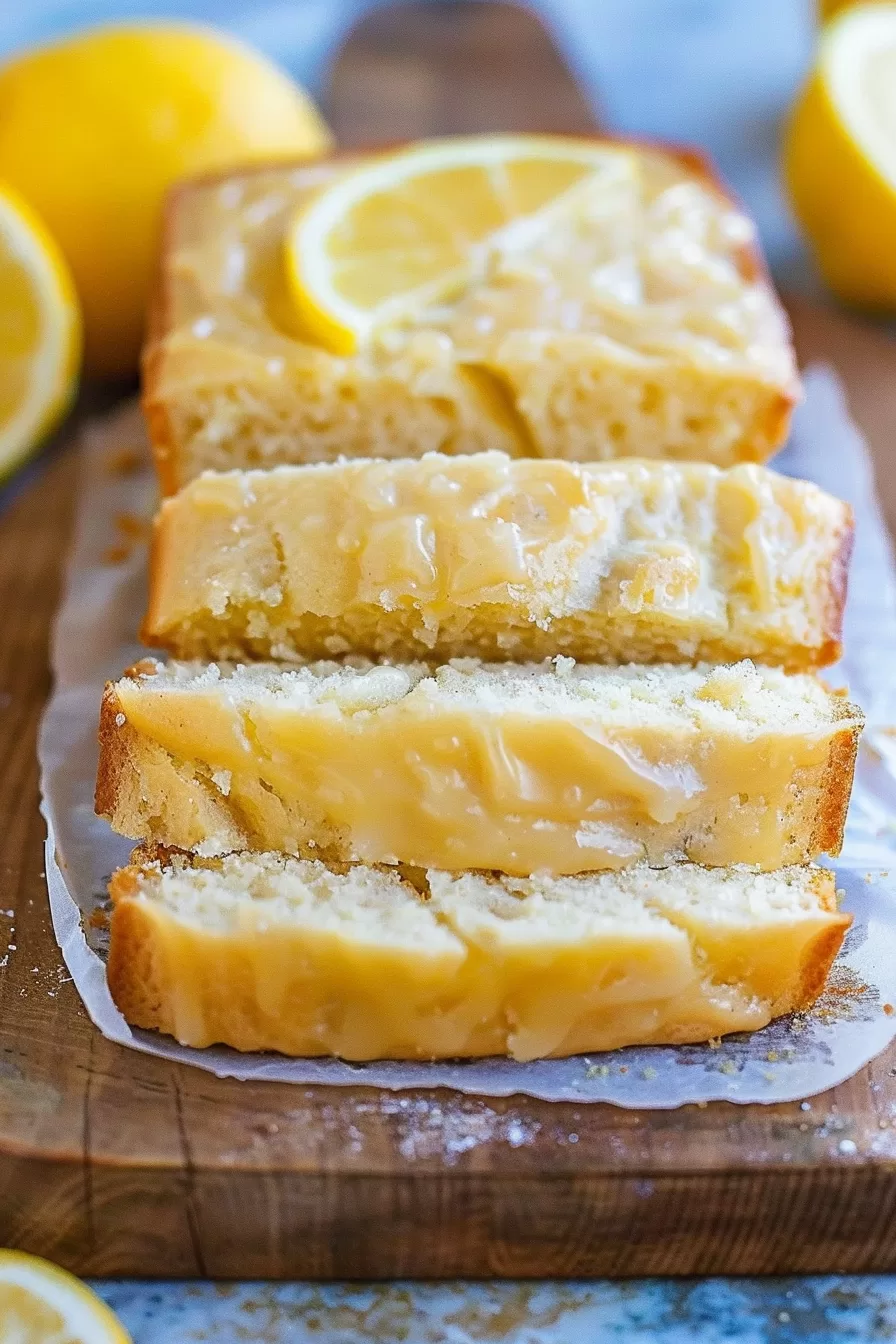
pixel 264 952
pixel 644 325
pixel 501 558
pixel 555 767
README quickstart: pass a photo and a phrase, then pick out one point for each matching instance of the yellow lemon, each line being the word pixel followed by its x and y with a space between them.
pixel 94 129
pixel 828 8
pixel 40 1304
pixel 404 230
pixel 840 156
pixel 40 332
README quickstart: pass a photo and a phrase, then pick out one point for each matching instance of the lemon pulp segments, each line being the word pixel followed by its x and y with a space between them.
pixel 840 156
pixel 40 1302
pixel 859 59
pixel 407 229
pixel 40 335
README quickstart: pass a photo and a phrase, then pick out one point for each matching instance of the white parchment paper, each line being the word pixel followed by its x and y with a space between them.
pixel 96 637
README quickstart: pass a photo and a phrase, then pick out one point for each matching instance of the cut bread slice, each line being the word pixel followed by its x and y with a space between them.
pixel 642 322
pixel 494 557
pixel 264 952
pixel 556 767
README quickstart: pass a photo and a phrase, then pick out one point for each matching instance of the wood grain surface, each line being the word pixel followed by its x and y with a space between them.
pixel 113 1163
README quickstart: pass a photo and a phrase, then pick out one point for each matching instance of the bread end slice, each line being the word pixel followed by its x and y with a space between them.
pixel 263 952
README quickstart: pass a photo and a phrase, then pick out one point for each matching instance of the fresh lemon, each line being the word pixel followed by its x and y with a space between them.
pixel 404 230
pixel 840 156
pixel 40 332
pixel 94 129
pixel 40 1304
pixel 828 8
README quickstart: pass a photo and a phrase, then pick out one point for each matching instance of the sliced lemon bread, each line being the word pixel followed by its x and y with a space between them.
pixel 553 767
pixel 637 320
pixel 501 558
pixel 264 952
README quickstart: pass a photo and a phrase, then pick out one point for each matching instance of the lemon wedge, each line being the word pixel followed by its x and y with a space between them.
pixel 41 1304
pixel 40 332
pixel 408 229
pixel 840 155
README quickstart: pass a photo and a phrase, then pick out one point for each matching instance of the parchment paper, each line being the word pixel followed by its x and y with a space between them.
pixel 95 638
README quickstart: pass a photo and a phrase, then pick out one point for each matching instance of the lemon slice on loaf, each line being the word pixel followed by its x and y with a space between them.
pixel 407 229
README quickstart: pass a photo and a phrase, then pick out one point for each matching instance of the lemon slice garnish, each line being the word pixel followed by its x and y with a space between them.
pixel 41 1304
pixel 40 332
pixel 408 229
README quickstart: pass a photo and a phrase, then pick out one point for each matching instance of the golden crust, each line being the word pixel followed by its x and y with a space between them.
pixel 836 788
pixel 158 322
pixel 116 749
pixel 837 581
pixel 138 981
pixel 771 413
pixel 820 955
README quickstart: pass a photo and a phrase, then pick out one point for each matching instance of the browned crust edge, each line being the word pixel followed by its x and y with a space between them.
pixel 149 632
pixel 837 584
pixel 119 746
pixel 135 972
pixel 155 410
pixel 113 757
pixel 752 263
pixel 821 952
pixel 836 784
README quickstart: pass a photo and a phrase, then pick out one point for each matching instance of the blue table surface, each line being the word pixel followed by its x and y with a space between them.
pixel 718 72
pixel 647 1311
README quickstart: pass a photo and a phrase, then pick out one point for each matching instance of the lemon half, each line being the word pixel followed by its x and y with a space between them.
pixel 40 332
pixel 405 230
pixel 41 1304
pixel 840 156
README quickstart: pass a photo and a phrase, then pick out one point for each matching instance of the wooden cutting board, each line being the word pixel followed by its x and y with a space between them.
pixel 113 1163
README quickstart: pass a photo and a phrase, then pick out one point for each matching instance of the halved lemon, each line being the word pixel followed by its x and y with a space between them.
pixel 40 332
pixel 42 1304
pixel 840 155
pixel 407 229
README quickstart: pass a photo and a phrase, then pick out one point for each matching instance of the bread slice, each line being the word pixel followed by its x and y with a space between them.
pixel 264 952
pixel 493 557
pixel 553 767
pixel 643 323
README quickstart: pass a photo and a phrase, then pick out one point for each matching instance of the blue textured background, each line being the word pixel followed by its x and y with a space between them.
pixel 747 1311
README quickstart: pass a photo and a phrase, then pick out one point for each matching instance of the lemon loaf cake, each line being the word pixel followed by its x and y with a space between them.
pixel 503 558
pixel 555 767
pixel 630 315
pixel 265 952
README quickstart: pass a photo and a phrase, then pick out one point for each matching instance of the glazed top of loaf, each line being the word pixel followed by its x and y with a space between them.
pixel 654 258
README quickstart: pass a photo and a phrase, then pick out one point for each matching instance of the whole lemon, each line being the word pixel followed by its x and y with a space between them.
pixel 94 129
pixel 828 8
